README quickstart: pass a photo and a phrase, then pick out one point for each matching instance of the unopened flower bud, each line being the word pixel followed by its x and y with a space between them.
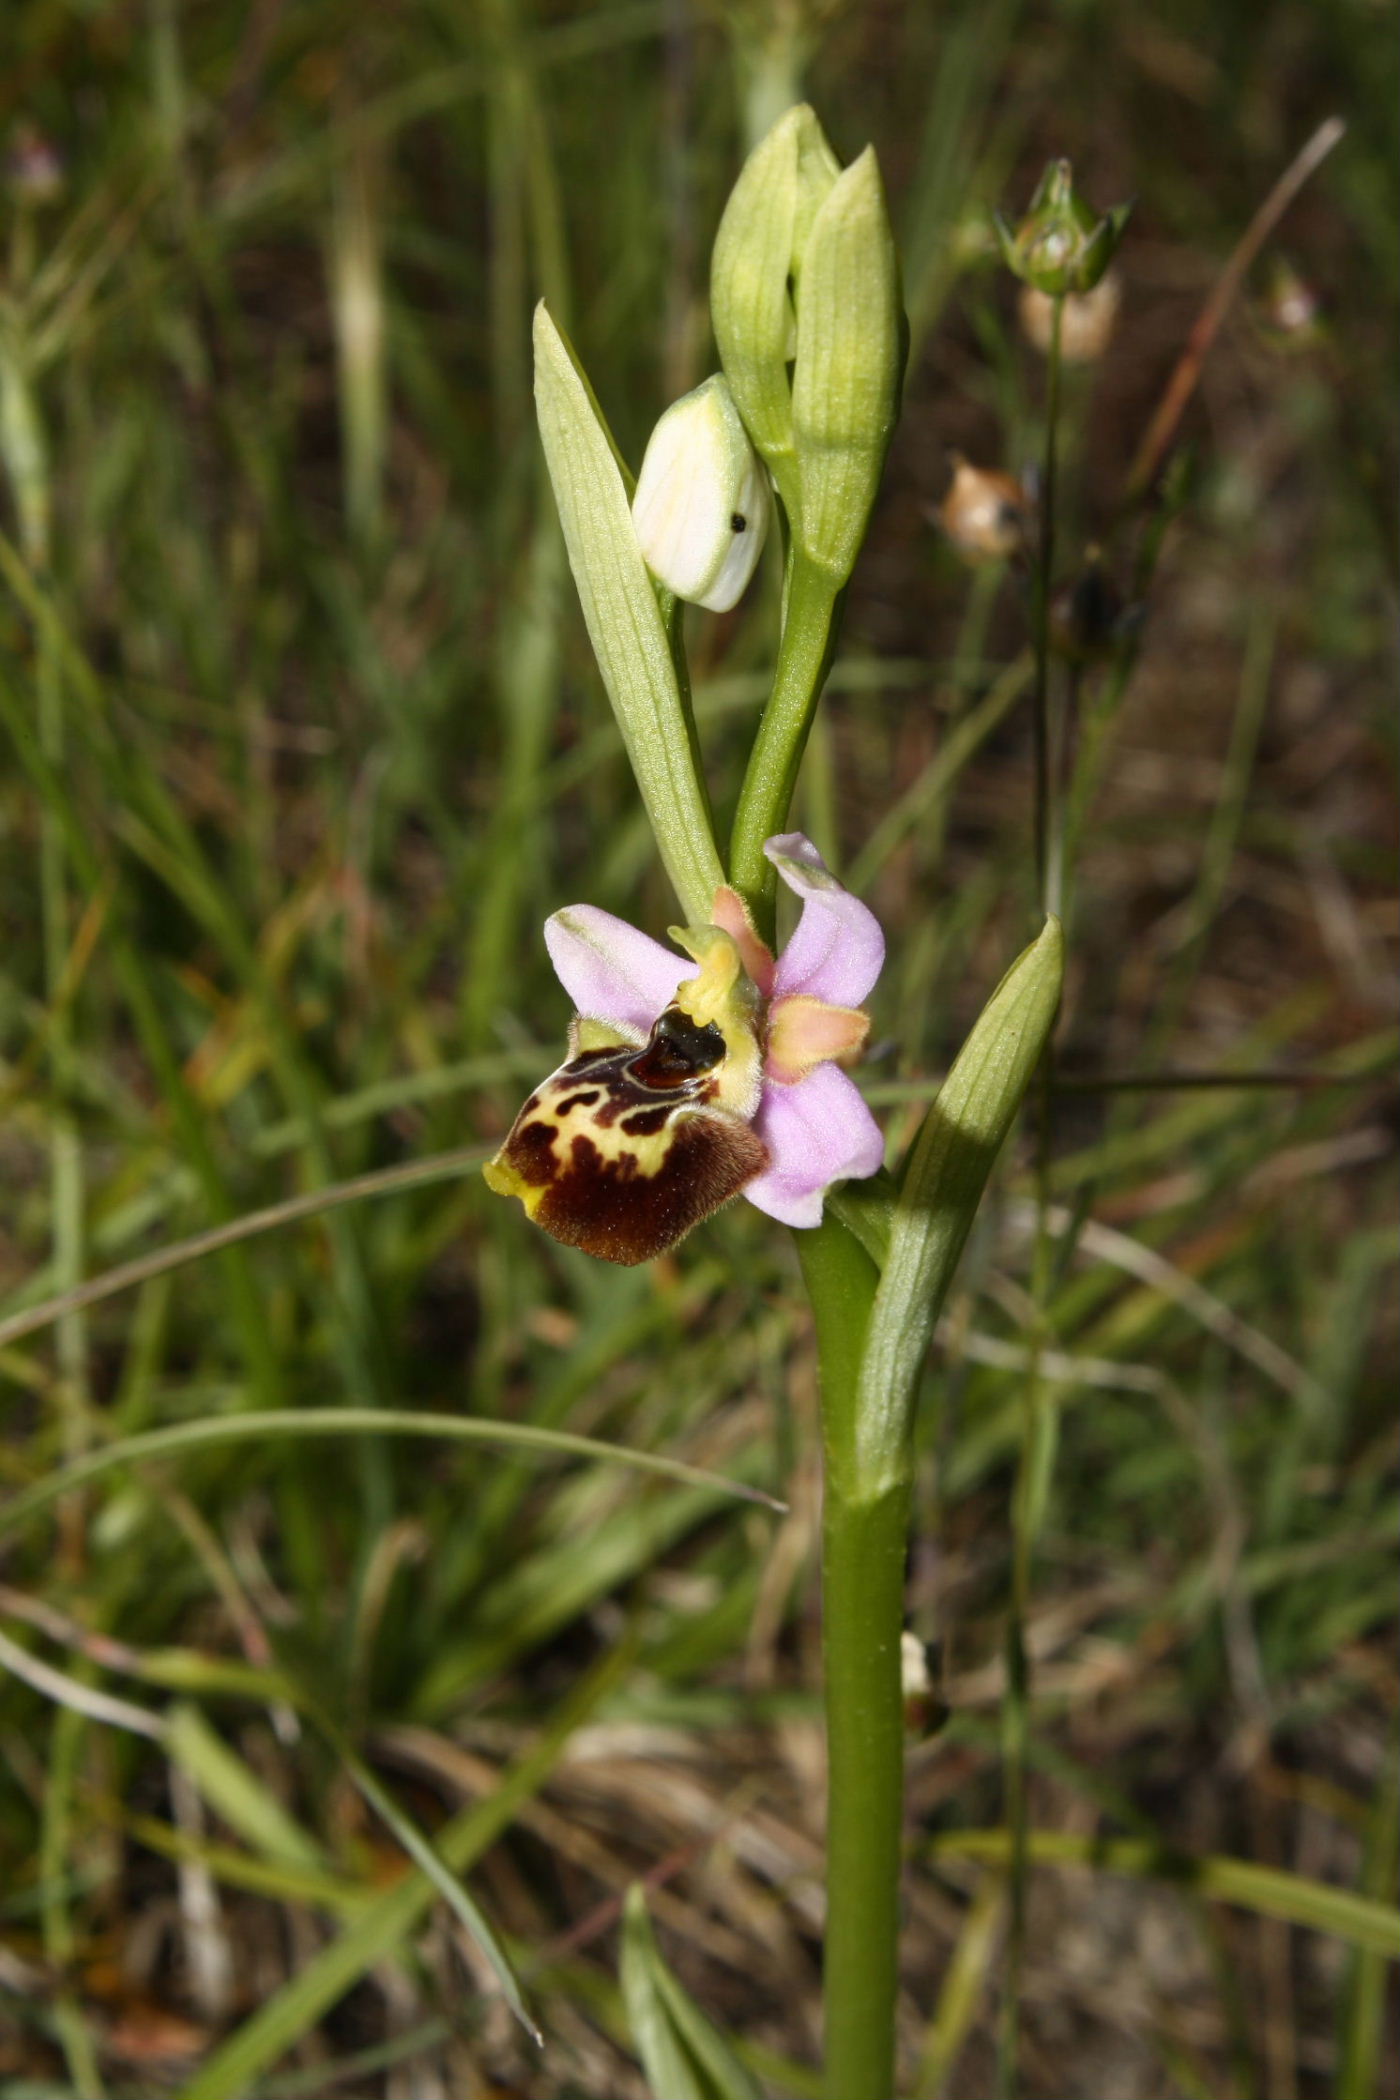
pixel 1086 319
pixel 702 504
pixel 987 516
pixel 1060 245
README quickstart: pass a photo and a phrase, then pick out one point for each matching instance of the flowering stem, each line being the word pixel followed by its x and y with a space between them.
pixel 864 1530
pixel 804 656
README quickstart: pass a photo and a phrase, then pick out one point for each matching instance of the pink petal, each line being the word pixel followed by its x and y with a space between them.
pixel 803 1032
pixel 610 970
pixel 817 1132
pixel 837 950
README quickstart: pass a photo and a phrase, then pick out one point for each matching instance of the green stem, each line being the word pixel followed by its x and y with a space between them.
pixel 804 657
pixel 1036 1421
pixel 864 1531
pixel 863 1545
pixel 1044 573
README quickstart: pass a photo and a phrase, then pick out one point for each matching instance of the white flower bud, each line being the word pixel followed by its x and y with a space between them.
pixel 702 504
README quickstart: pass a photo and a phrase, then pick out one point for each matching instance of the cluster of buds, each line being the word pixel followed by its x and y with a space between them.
pixel 809 322
pixel 807 315
pixel 1061 246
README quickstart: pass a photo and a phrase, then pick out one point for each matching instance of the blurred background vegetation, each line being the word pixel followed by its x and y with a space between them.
pixel 300 742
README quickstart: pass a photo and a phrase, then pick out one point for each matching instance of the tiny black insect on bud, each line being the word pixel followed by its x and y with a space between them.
pixel 739 522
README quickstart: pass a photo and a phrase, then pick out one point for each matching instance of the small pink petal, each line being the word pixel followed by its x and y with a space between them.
pixel 731 915
pixel 610 970
pixel 837 949
pixel 817 1132
pixel 803 1032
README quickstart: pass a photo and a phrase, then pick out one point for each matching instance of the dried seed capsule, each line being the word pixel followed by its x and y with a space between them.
pixel 1087 319
pixel 986 514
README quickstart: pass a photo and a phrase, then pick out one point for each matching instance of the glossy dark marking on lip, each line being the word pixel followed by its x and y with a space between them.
pixel 621 1149
pixel 679 1050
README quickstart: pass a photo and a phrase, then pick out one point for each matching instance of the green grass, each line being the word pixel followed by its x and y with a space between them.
pixel 300 741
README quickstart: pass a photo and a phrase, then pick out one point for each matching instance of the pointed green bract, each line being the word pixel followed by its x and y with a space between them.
pixel 845 389
pixel 750 304
pixel 943 1182
pixel 624 619
pixel 805 273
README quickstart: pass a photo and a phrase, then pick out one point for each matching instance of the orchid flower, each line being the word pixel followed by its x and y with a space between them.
pixel 684 1088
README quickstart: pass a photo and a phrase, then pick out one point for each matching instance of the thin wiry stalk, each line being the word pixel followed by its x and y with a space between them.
pixel 1037 1421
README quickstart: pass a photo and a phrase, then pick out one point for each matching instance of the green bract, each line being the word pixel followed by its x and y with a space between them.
pixel 850 357
pixel 756 259
pixel 1061 245
pixel 804 275
pixel 941 1188
pixel 624 619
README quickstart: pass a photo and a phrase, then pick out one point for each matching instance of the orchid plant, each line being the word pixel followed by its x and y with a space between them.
pixel 715 1069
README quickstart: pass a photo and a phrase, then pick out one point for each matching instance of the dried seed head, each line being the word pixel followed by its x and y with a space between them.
pixel 1087 614
pixel 1087 319
pixel 986 514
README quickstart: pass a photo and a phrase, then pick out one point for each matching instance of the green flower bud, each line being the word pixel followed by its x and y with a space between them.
pixel 702 504
pixel 757 260
pixel 1060 246
pixel 850 361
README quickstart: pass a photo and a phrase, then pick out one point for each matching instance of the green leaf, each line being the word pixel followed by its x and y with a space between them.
pixel 684 2056
pixel 386 1925
pixel 947 1171
pixel 1270 1892
pixel 303 1422
pixel 468 1912
pixel 234 1791
pixel 624 620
